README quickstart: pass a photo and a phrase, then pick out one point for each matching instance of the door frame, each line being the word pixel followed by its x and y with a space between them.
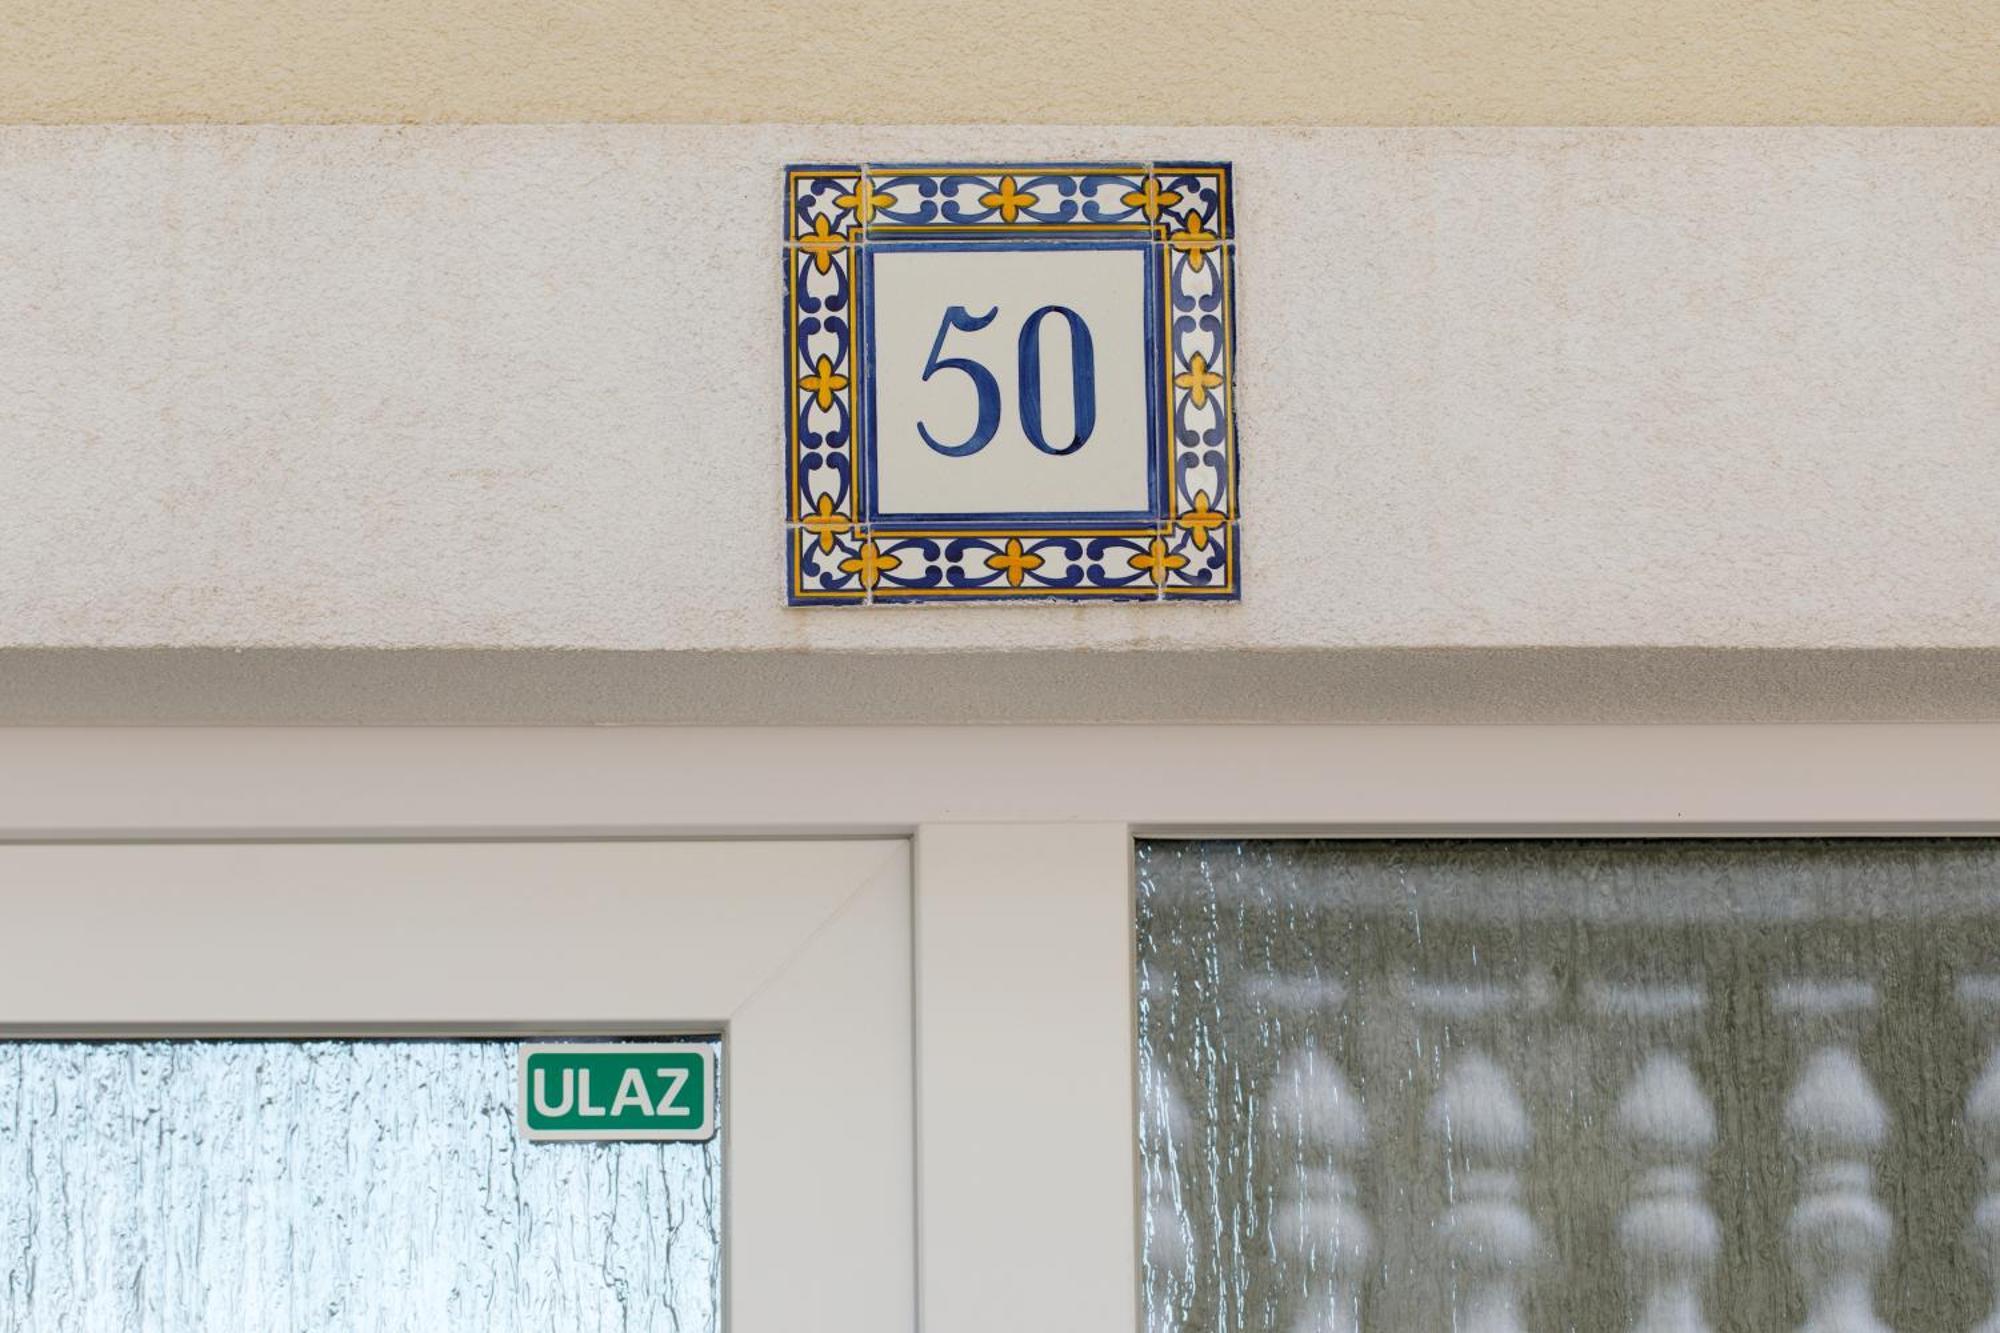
pixel 796 952
pixel 1023 892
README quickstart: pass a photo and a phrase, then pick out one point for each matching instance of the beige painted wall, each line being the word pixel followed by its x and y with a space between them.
pixel 516 387
pixel 1161 62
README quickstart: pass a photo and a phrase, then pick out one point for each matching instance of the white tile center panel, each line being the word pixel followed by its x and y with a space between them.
pixel 964 422
pixel 1010 381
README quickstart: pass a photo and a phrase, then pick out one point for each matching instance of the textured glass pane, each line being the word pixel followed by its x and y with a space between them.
pixel 1590 1085
pixel 372 1185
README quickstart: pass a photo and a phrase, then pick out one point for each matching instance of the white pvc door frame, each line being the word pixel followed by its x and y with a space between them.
pixel 797 952
pixel 1026 1215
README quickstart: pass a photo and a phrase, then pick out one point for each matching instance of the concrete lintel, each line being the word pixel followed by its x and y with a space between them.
pixel 272 686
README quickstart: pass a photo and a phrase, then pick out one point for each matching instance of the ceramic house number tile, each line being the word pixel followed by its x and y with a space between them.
pixel 1010 381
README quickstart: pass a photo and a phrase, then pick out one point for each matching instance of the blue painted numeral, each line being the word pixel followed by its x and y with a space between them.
pixel 982 380
pixel 1082 379
pixel 1028 355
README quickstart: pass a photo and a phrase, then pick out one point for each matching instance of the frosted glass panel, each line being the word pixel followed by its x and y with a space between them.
pixel 374 1185
pixel 1604 1085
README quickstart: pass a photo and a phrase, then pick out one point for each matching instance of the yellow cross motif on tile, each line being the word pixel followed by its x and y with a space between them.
pixel 1156 562
pixel 1014 561
pixel 1009 200
pixel 866 201
pixel 823 383
pixel 1152 199
pixel 1199 520
pixel 1193 240
pixel 826 523
pixel 1197 379
pixel 871 564
pixel 822 243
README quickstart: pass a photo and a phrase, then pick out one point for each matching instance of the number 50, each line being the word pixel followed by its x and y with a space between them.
pixel 1028 356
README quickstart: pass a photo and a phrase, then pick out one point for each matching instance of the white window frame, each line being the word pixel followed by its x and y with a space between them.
pixel 1026 1213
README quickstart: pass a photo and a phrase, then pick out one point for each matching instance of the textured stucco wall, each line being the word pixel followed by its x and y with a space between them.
pixel 517 387
pixel 921 61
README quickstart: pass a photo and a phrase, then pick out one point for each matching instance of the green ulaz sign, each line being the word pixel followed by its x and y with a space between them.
pixel 621 1090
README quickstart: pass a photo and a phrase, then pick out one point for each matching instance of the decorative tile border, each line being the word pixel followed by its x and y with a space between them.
pixel 1187 548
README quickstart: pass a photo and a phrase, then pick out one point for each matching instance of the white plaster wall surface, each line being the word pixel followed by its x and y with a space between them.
pixel 519 386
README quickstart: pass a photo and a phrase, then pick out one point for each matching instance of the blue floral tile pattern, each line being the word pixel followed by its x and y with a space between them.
pixel 843 549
